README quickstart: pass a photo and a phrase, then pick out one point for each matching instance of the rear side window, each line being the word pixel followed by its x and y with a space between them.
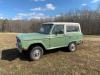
pixel 72 28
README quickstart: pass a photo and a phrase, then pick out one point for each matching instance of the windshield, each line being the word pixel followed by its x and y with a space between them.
pixel 45 28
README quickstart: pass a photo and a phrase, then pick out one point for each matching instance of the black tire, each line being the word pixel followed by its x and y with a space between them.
pixel 72 47
pixel 36 53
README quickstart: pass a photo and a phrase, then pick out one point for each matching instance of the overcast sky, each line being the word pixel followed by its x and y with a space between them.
pixel 28 9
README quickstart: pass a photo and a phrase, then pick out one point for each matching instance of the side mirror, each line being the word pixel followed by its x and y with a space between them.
pixel 56 33
pixel 59 32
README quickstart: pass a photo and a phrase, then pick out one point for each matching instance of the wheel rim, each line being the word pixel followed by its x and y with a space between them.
pixel 36 54
pixel 72 47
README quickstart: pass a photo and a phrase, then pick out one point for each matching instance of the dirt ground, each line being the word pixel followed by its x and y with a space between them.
pixel 84 61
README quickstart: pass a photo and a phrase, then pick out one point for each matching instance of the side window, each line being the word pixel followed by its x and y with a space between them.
pixel 58 29
pixel 72 28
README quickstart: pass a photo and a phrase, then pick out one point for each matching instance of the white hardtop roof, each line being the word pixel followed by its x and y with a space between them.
pixel 72 23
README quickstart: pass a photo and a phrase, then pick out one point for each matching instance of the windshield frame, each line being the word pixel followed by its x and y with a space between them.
pixel 49 30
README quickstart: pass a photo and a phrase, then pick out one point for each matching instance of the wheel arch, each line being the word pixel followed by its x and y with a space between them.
pixel 36 44
pixel 72 42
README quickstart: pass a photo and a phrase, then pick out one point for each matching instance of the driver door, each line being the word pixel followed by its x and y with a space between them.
pixel 57 38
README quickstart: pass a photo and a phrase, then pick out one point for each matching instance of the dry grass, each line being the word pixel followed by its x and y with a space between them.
pixel 85 61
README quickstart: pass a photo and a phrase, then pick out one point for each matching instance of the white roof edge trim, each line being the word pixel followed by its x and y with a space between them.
pixel 61 23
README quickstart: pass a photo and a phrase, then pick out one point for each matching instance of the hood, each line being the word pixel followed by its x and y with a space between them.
pixel 31 36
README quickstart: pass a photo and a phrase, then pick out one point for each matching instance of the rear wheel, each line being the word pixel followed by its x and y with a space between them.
pixel 72 47
pixel 36 53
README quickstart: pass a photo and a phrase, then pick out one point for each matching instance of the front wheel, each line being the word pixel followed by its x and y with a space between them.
pixel 36 53
pixel 72 47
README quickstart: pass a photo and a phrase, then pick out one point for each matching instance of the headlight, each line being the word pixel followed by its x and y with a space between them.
pixel 17 39
pixel 18 42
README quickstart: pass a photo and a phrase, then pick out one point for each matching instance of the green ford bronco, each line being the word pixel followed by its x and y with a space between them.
pixel 51 35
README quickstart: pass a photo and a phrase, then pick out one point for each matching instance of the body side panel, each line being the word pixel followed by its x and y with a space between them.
pixel 73 37
pixel 44 42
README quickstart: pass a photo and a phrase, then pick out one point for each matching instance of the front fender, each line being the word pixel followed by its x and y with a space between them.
pixel 26 44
